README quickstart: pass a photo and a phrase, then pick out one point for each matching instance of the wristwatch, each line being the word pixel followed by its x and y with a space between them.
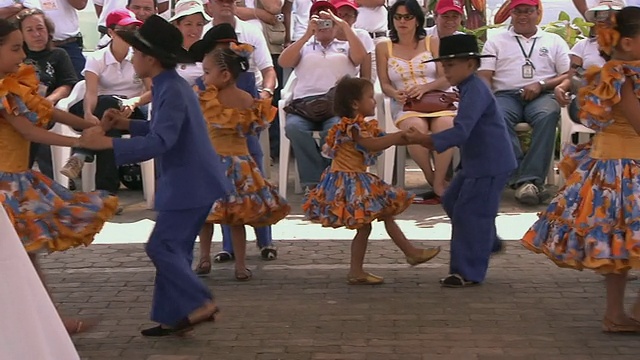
pixel 543 84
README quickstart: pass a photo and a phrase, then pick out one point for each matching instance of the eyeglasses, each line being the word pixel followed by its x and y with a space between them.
pixel 602 16
pixel 523 11
pixel 405 17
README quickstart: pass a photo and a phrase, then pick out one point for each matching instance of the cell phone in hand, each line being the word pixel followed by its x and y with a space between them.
pixel 325 24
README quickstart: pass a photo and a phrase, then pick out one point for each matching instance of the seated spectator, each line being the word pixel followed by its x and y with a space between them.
pixel 319 60
pixel 190 18
pixel 585 53
pixel 347 10
pixel 55 71
pixel 143 9
pixel 111 82
pixel 529 63
pixel 404 74
pixel 448 18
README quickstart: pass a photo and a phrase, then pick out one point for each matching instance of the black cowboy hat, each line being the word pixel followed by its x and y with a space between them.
pixel 158 38
pixel 459 46
pixel 221 33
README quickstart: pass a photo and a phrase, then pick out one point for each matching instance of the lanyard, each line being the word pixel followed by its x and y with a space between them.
pixel 527 57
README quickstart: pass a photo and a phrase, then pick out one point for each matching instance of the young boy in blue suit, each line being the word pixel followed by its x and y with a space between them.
pixel 193 176
pixel 486 162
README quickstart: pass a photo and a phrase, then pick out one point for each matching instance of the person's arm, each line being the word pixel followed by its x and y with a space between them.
pixel 78 4
pixel 581 5
pixel 630 105
pixel 73 121
pixel 9 12
pixel 91 95
pixel 357 52
pixel 440 83
pixel 245 13
pixel 291 55
pixel 137 149
pixel 36 134
pixel 269 79
pixel 286 13
pixel 488 65
pixel 273 7
pixel 59 93
pixel 375 144
pixel 562 62
pixel 382 57
pixel 472 105
pixel 98 5
pixel 366 68
pixel 370 3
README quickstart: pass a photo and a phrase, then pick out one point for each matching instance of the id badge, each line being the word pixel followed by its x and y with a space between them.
pixel 527 71
pixel 49 5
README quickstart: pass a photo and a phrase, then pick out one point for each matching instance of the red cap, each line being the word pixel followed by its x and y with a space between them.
pixel 515 3
pixel 322 5
pixel 122 17
pixel 449 5
pixel 340 3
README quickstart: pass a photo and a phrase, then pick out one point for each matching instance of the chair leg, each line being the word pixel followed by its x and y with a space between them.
pixel 89 176
pixel 266 151
pixel 148 182
pixel 283 173
pixel 401 157
pixel 297 187
pixel 60 154
pixel 388 161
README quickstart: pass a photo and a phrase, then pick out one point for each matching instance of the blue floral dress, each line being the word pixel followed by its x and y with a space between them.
pixel 46 216
pixel 594 221
pixel 347 195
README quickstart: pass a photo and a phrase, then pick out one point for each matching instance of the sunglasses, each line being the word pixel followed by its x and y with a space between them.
pixel 406 17
pixel 602 16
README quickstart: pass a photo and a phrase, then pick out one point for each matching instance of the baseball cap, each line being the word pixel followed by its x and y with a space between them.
pixel 340 3
pixel 122 17
pixel 515 3
pixel 322 5
pixel 449 5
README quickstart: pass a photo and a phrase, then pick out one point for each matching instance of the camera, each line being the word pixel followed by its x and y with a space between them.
pixel 325 24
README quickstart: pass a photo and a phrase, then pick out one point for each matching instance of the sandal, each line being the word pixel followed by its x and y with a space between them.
pixel 204 267
pixel 243 276
pixel 425 255
pixel 222 257
pixel 183 327
pixel 368 279
pixel 81 326
pixel 609 326
pixel 435 200
pixel 268 253
pixel 456 281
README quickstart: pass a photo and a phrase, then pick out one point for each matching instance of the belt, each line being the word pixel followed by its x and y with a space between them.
pixel 67 41
pixel 378 34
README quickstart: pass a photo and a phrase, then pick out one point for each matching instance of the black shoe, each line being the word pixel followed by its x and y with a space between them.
pixel 268 253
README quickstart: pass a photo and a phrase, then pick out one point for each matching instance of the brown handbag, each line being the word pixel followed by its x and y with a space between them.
pixel 433 101
pixel 313 108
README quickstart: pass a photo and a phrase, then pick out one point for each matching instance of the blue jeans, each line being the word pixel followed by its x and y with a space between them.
pixel 311 164
pixel 74 50
pixel 542 114
pixel 263 234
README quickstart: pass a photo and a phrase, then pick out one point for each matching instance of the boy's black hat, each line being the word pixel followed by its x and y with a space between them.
pixel 158 38
pixel 459 46
pixel 221 33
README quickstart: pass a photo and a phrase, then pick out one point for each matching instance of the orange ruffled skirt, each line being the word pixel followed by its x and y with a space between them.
pixel 254 202
pixel 594 221
pixel 353 200
pixel 49 217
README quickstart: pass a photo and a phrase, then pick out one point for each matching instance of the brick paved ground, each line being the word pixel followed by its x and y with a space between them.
pixel 299 307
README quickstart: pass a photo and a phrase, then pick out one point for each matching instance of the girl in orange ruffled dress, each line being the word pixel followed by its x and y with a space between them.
pixel 231 113
pixel 594 221
pixel 46 216
pixel 347 195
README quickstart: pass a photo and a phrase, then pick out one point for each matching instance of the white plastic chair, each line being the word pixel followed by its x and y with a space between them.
pixel 567 129
pixel 286 95
pixel 383 114
pixel 61 154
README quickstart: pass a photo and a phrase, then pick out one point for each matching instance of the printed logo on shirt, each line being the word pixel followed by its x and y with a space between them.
pixel 544 51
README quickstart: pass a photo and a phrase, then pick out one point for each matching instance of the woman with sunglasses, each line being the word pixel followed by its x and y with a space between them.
pixel 404 74
pixel 585 53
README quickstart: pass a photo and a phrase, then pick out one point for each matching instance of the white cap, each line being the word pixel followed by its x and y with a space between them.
pixel 189 7
pixel 603 5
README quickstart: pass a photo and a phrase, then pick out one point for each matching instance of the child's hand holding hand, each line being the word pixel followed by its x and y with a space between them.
pixel 414 136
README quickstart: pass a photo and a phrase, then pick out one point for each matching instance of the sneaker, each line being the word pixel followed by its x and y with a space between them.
pixel 73 168
pixel 268 253
pixel 528 194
